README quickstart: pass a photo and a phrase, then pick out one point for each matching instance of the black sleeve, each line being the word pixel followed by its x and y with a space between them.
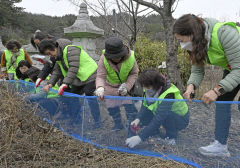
pixel 163 110
pixel 47 69
pixel 143 112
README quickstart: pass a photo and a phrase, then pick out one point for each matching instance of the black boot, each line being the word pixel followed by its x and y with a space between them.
pixel 116 116
pixel 131 112
pixel 95 111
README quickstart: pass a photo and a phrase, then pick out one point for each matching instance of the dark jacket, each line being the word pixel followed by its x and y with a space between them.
pixel 47 68
pixel 73 57
pixel 153 122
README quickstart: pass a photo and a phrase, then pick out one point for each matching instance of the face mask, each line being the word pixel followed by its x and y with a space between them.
pixel 16 53
pixel 186 45
pixel 150 92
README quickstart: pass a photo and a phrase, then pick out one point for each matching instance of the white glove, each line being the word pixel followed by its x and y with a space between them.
pixel 133 141
pixel 136 122
pixel 122 89
pixel 41 58
pixel 99 91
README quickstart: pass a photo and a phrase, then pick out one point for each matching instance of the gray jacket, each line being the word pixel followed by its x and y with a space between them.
pixel 230 40
pixel 73 57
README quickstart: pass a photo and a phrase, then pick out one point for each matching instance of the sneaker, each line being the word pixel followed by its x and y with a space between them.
pixel 170 141
pixel 215 149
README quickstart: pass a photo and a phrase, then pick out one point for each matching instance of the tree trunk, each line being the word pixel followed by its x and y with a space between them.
pixel 171 57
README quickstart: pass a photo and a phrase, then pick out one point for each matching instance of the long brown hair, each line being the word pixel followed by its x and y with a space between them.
pixel 188 25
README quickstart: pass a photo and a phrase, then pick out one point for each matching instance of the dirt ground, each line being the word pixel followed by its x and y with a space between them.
pixel 28 141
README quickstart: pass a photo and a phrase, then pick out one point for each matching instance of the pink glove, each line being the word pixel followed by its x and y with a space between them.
pixel 61 89
pixel 39 80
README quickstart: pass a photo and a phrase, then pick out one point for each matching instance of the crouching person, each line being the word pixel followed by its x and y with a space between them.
pixel 117 72
pixel 77 68
pixel 173 116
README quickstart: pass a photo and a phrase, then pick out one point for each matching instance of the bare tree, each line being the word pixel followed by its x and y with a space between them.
pixel 124 17
pixel 165 8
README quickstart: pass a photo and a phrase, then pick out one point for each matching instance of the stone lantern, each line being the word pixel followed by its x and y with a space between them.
pixel 2 48
pixel 84 32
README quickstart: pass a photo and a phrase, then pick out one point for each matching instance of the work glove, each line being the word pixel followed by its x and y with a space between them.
pixel 133 141
pixel 39 80
pixel 100 92
pixel 40 58
pixel 122 89
pixel 62 88
pixel 135 126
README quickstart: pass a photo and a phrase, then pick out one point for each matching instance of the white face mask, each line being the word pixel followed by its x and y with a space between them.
pixel 15 53
pixel 186 45
pixel 150 92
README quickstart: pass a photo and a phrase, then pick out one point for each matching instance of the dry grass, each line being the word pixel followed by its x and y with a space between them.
pixel 28 141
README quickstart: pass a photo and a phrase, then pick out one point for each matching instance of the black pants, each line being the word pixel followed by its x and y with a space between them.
pixel 223 114
pixel 89 89
pixel 131 113
pixel 171 122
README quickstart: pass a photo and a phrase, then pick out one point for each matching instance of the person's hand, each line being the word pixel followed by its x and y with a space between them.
pixel 100 92
pixel 135 122
pixel 133 141
pixel 61 89
pixel 122 89
pixel 189 92
pixel 39 80
pixel 47 87
pixel 209 97
pixel 134 125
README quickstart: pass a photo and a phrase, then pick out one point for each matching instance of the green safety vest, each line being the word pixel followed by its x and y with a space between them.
pixel 178 107
pixel 52 94
pixel 216 52
pixel 8 56
pixel 126 68
pixel 27 80
pixel 87 65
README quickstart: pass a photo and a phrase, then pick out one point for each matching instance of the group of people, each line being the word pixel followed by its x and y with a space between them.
pixel 206 40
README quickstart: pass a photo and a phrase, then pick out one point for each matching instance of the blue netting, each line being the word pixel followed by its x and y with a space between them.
pixel 71 113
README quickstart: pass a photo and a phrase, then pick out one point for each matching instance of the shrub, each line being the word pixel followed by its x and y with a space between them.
pixel 153 53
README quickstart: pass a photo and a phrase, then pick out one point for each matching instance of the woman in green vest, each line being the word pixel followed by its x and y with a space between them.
pixel 76 67
pixel 172 115
pixel 11 57
pixel 116 75
pixel 211 42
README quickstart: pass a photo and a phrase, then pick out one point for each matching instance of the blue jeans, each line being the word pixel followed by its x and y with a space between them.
pixel 223 115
